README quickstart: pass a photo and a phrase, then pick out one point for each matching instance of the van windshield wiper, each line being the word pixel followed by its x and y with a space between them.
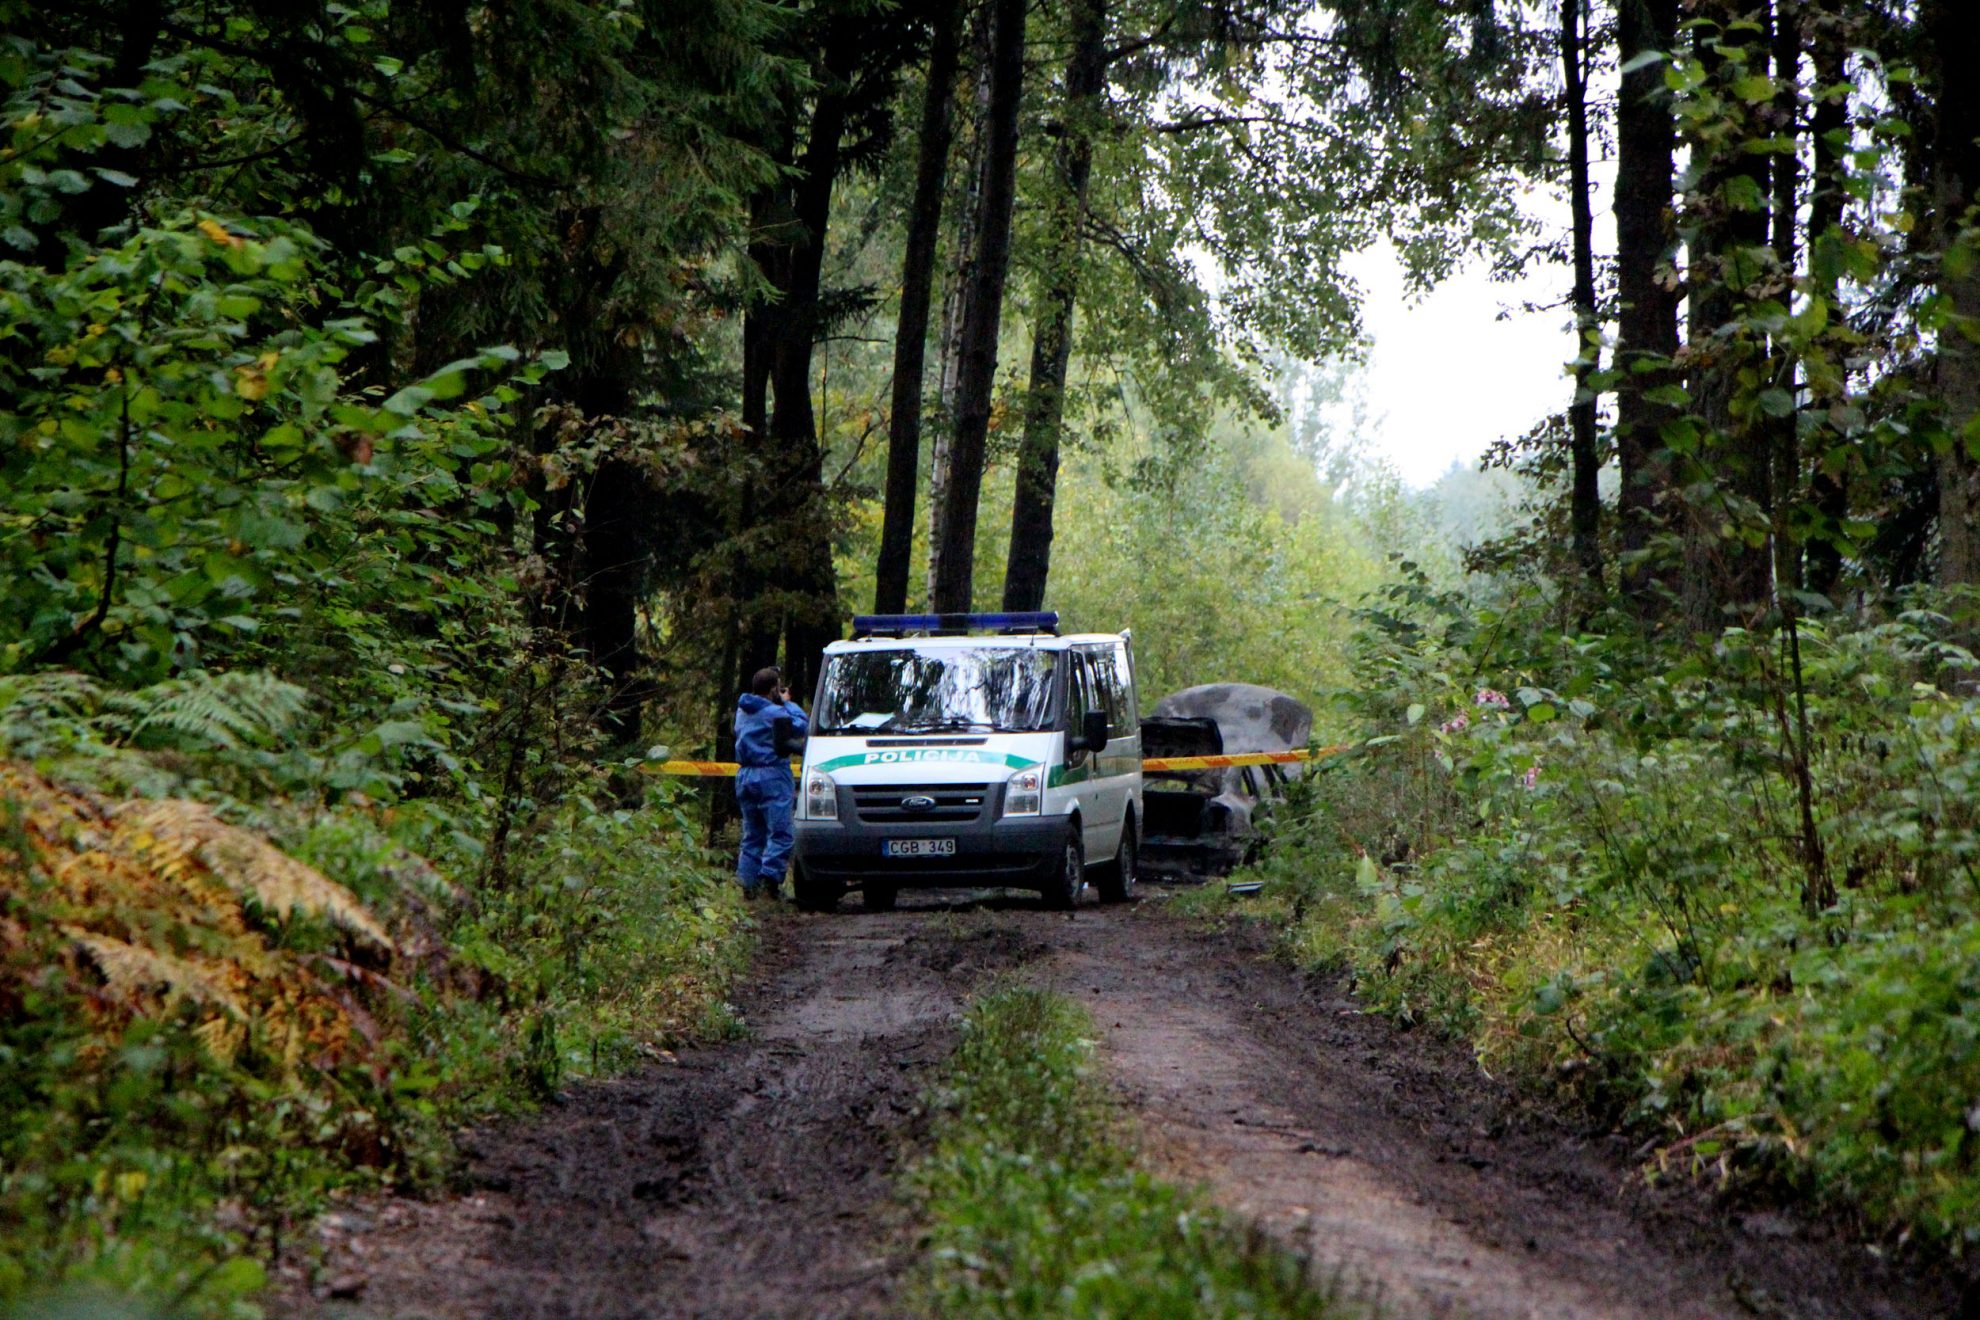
pixel 943 726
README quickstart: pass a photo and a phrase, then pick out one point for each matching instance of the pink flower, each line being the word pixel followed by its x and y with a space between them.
pixel 1456 724
pixel 1491 697
pixel 1531 778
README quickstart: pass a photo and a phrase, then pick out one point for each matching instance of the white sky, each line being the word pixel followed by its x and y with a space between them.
pixel 1447 376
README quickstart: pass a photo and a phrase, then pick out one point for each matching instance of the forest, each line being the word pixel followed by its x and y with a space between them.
pixel 420 418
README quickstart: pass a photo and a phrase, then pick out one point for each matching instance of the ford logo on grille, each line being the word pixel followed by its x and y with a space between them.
pixel 917 803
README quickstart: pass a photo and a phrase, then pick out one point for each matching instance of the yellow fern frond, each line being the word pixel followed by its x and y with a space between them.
pixel 173 832
pixel 151 900
pixel 128 966
pixel 222 1037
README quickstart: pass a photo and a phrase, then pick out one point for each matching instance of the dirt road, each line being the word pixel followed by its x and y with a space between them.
pixel 756 1178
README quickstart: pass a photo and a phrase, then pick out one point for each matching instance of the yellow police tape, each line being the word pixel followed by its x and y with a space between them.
pixel 711 769
pixel 1158 763
pixel 1153 764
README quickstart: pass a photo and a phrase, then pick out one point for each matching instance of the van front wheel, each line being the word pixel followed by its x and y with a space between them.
pixel 1062 894
pixel 814 895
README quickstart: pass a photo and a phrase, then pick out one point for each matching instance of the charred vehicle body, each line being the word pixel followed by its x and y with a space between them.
pixel 1204 823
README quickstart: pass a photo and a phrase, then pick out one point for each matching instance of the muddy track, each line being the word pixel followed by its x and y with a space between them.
pixel 757 1178
pixel 747 1179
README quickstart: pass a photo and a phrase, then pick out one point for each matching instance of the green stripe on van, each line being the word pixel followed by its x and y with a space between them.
pixel 1103 767
pixel 926 756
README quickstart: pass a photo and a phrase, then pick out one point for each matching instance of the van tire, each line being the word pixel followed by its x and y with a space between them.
pixel 1062 894
pixel 815 895
pixel 877 897
pixel 1116 880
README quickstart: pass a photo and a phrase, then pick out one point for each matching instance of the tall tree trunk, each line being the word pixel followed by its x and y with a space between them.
pixel 768 211
pixel 955 296
pixel 1030 561
pixel 102 203
pixel 1784 441
pixel 749 584
pixel 911 326
pixel 1818 892
pixel 1646 141
pixel 609 518
pixel 1828 126
pixel 618 520
pixel 954 552
pixel 1956 186
pixel 595 535
pixel 1585 497
pixel 1723 236
pixel 797 462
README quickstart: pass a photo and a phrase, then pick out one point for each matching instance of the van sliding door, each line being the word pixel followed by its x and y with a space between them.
pixel 1112 783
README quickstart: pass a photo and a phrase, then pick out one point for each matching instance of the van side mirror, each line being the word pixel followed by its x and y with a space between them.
pixel 1092 734
pixel 784 737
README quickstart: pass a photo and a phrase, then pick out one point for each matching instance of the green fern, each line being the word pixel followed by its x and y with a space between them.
pixel 106 738
pixel 223 711
pixel 50 712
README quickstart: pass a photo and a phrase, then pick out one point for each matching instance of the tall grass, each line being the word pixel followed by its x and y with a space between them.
pixel 1035 1207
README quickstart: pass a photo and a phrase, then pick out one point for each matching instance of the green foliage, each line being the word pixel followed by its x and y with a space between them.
pixel 69 722
pixel 1219 580
pixel 170 466
pixel 119 1162
pixel 618 936
pixel 186 1022
pixel 1034 1204
pixel 309 855
pixel 206 1038
pixel 181 441
pixel 227 454
pixel 1595 866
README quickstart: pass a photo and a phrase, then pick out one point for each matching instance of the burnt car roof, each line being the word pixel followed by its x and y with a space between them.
pixel 1244 716
pixel 1180 735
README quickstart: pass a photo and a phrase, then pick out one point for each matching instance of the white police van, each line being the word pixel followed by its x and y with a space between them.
pixel 970 750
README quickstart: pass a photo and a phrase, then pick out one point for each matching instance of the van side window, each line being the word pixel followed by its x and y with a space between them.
pixel 1094 665
pixel 1124 684
pixel 1080 696
pixel 1111 687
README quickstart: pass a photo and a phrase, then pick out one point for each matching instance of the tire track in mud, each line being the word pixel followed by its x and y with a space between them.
pixel 1407 1175
pixel 756 1178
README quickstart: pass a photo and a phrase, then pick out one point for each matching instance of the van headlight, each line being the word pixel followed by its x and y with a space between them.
pixel 821 796
pixel 1021 795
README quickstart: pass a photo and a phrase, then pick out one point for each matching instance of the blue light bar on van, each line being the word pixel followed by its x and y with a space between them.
pixel 899 625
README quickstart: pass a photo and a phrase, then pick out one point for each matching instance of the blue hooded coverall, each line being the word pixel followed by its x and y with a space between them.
pixel 765 790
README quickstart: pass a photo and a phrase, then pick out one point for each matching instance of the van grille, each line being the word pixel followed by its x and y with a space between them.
pixel 953 803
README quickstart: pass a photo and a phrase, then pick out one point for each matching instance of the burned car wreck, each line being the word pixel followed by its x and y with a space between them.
pixel 1198 824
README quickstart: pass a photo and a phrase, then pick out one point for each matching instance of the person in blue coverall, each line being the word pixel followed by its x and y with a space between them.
pixel 764 786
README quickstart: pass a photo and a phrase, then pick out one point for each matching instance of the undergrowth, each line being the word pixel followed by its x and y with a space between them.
pixel 227 996
pixel 1035 1207
pixel 1591 858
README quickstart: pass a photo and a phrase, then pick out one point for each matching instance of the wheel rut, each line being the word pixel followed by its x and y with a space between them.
pixel 753 1178
pixel 1406 1174
pixel 758 1177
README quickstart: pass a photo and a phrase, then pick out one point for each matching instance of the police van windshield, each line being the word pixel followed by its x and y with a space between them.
pixel 988 689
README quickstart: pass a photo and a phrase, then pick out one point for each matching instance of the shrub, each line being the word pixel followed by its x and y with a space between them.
pixel 1595 861
pixel 216 1013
